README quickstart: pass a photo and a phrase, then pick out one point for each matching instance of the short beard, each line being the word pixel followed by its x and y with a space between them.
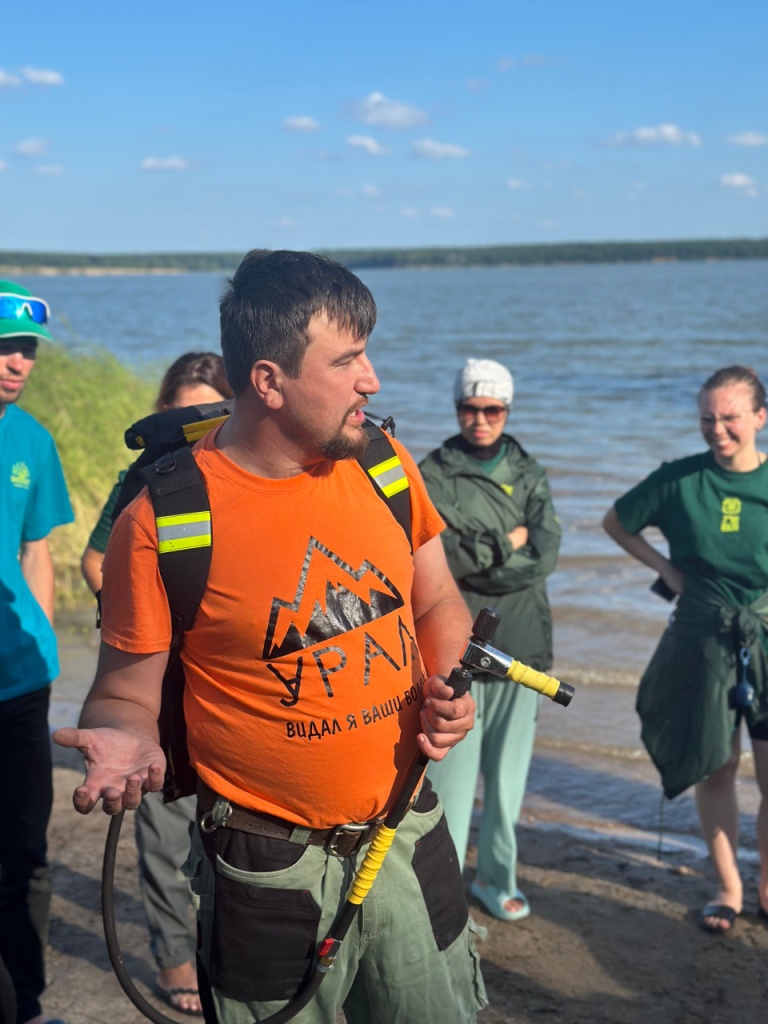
pixel 341 446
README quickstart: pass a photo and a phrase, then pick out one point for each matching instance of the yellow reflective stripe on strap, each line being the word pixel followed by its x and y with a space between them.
pixel 182 532
pixel 194 431
pixel 390 476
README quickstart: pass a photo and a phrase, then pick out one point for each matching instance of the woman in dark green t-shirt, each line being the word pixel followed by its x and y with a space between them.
pixel 712 509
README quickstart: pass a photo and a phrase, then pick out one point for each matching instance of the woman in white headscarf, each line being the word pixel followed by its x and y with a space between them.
pixel 501 538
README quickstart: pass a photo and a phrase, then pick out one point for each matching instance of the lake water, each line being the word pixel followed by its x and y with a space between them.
pixel 607 362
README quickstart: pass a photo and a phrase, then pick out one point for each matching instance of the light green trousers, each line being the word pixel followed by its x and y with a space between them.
pixel 408 958
pixel 500 747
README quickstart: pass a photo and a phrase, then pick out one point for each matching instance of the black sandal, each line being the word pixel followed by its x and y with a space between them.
pixel 720 912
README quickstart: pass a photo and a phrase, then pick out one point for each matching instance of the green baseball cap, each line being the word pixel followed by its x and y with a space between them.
pixel 22 314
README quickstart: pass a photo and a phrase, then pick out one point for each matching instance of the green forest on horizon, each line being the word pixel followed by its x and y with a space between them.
pixel 450 256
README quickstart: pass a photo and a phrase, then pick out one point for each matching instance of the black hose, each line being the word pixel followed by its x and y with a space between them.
pixel 116 957
pixel 110 927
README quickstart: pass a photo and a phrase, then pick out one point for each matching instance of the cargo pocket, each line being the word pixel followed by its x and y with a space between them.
pixel 436 866
pixel 263 940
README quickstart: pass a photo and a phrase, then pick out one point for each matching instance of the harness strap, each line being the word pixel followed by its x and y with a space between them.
pixel 385 471
pixel 183 518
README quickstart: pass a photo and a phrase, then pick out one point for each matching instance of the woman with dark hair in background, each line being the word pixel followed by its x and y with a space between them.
pixel 162 830
pixel 709 669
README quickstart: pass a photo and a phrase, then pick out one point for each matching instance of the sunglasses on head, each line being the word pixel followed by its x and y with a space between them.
pixel 492 413
pixel 14 307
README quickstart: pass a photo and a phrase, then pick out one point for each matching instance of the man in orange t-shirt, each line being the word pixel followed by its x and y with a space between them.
pixel 315 672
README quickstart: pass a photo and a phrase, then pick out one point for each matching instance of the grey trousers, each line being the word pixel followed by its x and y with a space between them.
pixel 162 838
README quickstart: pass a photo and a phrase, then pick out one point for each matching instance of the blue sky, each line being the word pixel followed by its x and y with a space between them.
pixel 179 126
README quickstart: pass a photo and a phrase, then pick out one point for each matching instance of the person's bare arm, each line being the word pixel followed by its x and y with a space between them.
pixel 443 623
pixel 37 569
pixel 637 546
pixel 117 733
pixel 90 566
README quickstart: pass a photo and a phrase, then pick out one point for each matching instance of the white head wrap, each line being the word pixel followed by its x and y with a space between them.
pixel 484 378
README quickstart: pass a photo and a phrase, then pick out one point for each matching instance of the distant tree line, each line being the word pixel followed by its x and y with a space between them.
pixel 459 256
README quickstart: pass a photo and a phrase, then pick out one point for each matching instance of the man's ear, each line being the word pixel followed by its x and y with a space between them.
pixel 266 381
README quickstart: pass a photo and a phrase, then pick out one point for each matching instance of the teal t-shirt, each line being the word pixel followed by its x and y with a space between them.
pixel 715 521
pixel 33 500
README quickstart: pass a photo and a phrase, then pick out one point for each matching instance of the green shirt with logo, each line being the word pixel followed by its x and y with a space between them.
pixel 715 521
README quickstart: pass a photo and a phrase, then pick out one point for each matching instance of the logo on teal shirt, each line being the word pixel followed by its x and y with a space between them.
pixel 20 475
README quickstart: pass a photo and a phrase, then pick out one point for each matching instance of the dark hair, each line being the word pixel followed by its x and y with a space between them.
pixel 737 375
pixel 270 302
pixel 190 369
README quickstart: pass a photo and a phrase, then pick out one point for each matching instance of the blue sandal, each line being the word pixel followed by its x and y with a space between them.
pixel 494 900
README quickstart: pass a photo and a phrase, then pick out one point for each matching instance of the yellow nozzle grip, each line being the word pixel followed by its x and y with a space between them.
pixel 372 861
pixel 533 679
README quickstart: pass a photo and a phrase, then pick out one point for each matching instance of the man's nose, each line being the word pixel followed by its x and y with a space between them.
pixel 369 383
pixel 15 361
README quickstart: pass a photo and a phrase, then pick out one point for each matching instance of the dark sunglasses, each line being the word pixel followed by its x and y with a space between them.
pixel 492 413
pixel 26 346
pixel 14 307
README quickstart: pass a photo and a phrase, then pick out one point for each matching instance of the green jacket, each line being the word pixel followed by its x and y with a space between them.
pixel 683 700
pixel 479 511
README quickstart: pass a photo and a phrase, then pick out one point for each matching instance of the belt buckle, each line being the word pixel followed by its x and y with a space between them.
pixel 346 839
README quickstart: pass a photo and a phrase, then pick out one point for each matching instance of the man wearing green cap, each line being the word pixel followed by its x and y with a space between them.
pixel 33 500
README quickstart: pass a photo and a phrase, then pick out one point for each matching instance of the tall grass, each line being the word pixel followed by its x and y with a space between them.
pixel 86 402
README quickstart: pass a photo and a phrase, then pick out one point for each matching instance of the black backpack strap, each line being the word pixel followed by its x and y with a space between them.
pixel 184 538
pixel 384 469
pixel 184 541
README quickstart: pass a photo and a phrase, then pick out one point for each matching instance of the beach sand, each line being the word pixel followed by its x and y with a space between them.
pixel 613 933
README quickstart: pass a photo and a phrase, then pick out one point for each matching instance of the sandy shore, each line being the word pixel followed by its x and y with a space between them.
pixel 613 933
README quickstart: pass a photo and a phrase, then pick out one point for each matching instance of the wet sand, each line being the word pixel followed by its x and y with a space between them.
pixel 612 936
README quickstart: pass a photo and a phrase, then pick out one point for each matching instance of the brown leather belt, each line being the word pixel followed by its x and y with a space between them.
pixel 340 840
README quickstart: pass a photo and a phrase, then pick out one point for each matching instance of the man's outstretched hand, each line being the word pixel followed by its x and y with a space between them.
pixel 119 767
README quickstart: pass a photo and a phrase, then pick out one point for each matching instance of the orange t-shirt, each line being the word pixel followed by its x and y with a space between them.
pixel 303 678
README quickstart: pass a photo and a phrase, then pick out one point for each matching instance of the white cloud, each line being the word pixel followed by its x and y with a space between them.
pixel 301 123
pixel 164 163
pixel 371 190
pixel 442 211
pixel 285 222
pixel 476 85
pixel 367 144
pixel 515 183
pixel 7 79
pixel 748 139
pixel 740 182
pixel 433 150
pixel 408 211
pixel 533 60
pixel 658 135
pixel 377 109
pixel 49 169
pixel 39 76
pixel 31 147
pixel 3 165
